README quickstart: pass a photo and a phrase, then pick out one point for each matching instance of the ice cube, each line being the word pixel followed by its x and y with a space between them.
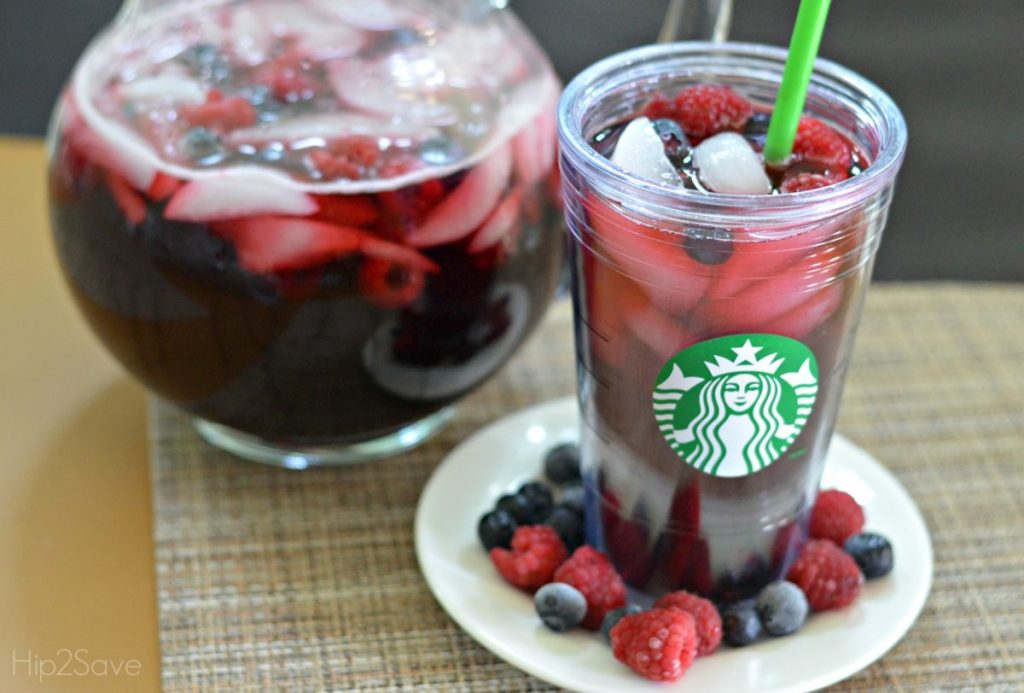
pixel 726 163
pixel 640 151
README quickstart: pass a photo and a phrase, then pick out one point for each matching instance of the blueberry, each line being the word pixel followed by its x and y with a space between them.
pixel 677 147
pixel 540 497
pixel 573 498
pixel 757 126
pixel 782 608
pixel 204 60
pixel 560 606
pixel 496 529
pixel 518 506
pixel 740 625
pixel 202 147
pixel 613 617
pixel 873 554
pixel 569 526
pixel 709 246
pixel 256 94
pixel 562 463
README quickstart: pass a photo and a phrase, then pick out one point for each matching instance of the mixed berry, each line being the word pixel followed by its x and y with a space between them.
pixel 578 586
pixel 712 138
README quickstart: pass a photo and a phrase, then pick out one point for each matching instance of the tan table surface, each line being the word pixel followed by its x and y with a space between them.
pixel 76 547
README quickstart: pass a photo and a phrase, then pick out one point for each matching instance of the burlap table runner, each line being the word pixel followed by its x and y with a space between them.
pixel 307 581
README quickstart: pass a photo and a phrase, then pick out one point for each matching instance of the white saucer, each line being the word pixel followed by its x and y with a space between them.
pixel 831 647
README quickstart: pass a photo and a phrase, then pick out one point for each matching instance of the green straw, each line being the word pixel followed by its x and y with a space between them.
pixel 789 104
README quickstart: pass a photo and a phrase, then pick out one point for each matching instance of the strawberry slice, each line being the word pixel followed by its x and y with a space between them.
pixel 759 304
pixel 610 297
pixel 761 256
pixel 469 204
pixel 535 148
pixel 809 315
pixel 163 187
pixel 347 210
pixel 227 196
pixel 279 244
pixel 388 284
pixel 404 256
pixel 664 335
pixel 131 203
pixel 654 257
pixel 499 223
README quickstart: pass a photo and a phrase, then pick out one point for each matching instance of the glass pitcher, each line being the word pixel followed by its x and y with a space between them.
pixel 312 224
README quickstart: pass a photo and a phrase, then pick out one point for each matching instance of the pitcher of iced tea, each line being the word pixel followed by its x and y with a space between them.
pixel 312 224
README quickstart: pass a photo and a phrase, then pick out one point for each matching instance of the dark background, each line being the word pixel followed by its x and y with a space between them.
pixel 955 67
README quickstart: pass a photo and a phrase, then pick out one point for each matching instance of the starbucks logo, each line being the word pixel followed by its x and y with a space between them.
pixel 731 406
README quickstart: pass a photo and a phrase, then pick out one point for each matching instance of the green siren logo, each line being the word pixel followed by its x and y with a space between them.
pixel 731 406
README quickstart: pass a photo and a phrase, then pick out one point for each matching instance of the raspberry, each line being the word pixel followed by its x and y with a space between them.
pixel 836 516
pixel 805 181
pixel 703 110
pixel 828 576
pixel 659 107
pixel 220 113
pixel 536 553
pixel 659 644
pixel 816 143
pixel 591 573
pixel 705 618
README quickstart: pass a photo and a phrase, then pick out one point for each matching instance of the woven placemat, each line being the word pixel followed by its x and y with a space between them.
pixel 307 581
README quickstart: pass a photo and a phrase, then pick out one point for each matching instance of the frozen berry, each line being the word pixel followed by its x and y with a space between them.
pixel 782 608
pixel 518 506
pixel 536 553
pixel 872 552
pixel 536 489
pixel 590 571
pixel 707 109
pixel 659 644
pixel 562 464
pixel 836 516
pixel 202 147
pixel 540 498
pixel 613 617
pixel 496 529
pixel 673 139
pixel 740 625
pixel 569 526
pixel 708 246
pixel 757 127
pixel 705 616
pixel 560 606
pixel 205 61
pixel 818 144
pixel 219 112
pixel 573 497
pixel 828 576
pixel 804 181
